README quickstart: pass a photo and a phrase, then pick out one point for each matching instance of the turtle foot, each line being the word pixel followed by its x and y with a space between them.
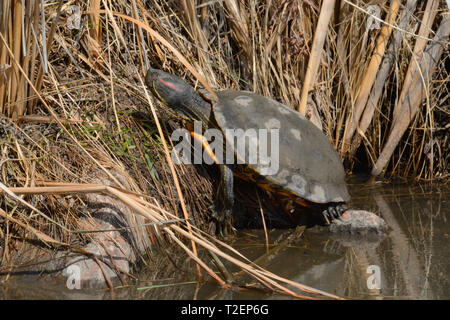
pixel 333 212
pixel 359 222
pixel 222 219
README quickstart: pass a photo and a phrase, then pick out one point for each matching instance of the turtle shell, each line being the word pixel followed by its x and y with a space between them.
pixel 307 164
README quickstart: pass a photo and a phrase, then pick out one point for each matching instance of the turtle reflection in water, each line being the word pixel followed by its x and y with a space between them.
pixel 310 172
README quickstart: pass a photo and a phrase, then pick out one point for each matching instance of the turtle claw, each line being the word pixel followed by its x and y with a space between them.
pixel 341 209
pixel 326 216
pixel 333 212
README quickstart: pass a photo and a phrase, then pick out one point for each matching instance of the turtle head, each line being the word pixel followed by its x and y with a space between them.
pixel 177 94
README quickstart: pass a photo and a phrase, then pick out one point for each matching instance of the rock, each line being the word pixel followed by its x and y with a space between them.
pixel 359 222
pixel 122 247
pixel 111 247
pixel 104 257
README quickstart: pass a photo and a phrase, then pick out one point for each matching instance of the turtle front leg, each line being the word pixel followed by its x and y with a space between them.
pixel 334 211
pixel 225 197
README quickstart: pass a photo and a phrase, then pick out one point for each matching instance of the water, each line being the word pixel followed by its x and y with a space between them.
pixel 413 259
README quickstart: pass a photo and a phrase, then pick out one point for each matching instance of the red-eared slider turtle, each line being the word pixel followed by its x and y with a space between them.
pixel 308 170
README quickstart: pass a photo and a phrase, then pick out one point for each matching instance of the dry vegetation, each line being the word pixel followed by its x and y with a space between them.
pixel 67 92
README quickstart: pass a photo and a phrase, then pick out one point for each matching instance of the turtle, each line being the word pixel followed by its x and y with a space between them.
pixel 308 170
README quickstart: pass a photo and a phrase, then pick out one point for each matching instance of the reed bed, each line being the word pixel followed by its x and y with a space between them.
pixel 372 76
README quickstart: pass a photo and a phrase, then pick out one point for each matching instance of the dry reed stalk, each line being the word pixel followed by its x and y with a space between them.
pixel 264 274
pixel 143 52
pixel 139 207
pixel 239 25
pixel 197 35
pixel 16 40
pixel 350 62
pixel 421 42
pixel 44 57
pixel 380 81
pixel 34 51
pixel 61 189
pixel 110 64
pixel 415 93
pixel 337 121
pixel 7 191
pixel 45 119
pixel 266 236
pixel 316 51
pixel 92 40
pixel 174 177
pixel 3 57
pixel 270 43
pixel 28 59
pixel 39 235
pixel 199 262
pixel 95 30
pixel 258 268
pixel 370 75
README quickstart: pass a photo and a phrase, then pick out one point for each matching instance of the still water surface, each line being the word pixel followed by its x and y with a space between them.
pixel 413 259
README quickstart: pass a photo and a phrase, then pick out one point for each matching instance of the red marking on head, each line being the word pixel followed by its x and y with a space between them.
pixel 171 85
